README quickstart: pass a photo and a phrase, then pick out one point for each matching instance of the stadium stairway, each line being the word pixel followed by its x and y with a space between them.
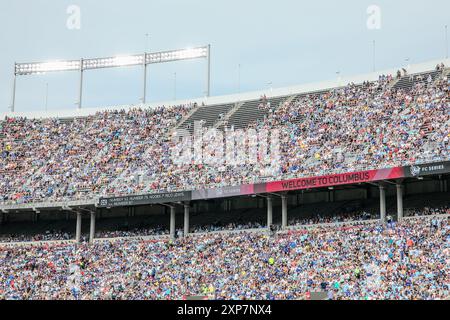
pixel 210 115
pixel 249 112
pixel 408 81
pixel 393 82
pixel 184 119
pixel 222 123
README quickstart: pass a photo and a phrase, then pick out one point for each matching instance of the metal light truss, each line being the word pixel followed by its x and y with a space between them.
pixel 22 69
pixel 111 62
pixel 176 55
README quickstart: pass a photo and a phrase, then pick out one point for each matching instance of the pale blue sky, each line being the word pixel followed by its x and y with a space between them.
pixel 285 42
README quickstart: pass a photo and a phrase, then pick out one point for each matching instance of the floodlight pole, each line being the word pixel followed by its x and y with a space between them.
pixel 175 86
pixel 239 78
pixel 144 95
pixel 208 75
pixel 446 42
pixel 373 57
pixel 14 92
pixel 46 96
pixel 80 97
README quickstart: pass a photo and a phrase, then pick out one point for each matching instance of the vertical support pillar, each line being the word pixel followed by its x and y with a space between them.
pixel 382 204
pixel 144 94
pixel 186 219
pixel 172 222
pixel 330 195
pixel 80 97
pixel 92 228
pixel 13 103
pixel 442 184
pixel 208 75
pixel 284 211
pixel 78 228
pixel 399 201
pixel 269 212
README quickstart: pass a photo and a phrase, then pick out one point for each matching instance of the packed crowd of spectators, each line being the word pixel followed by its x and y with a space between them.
pixel 356 127
pixel 49 235
pixel 228 227
pixel 407 260
pixel 363 215
pixel 135 232
pixel 363 127
pixel 427 211
pixel 52 159
pixel 345 217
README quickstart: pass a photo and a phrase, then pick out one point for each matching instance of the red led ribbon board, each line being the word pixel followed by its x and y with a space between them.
pixel 335 179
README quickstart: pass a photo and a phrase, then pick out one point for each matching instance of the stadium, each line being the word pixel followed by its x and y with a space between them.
pixel 333 189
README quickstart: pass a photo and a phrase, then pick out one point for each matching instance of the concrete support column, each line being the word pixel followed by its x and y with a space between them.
pixel 172 222
pixel 442 184
pixel 331 196
pixel 284 211
pixel 92 228
pixel 269 211
pixel 186 219
pixel 78 229
pixel 382 204
pixel 399 201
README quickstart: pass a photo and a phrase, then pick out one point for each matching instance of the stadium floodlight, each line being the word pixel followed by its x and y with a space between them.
pixel 43 67
pixel 185 54
pixel 22 69
pixel 119 61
